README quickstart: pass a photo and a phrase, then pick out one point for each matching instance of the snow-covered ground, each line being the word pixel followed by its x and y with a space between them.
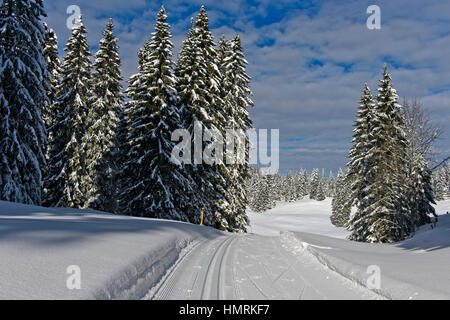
pixel 119 257
pixel 303 216
pixel 130 258
pixel 418 268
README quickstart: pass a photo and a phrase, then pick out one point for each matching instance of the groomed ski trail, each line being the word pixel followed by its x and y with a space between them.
pixel 251 267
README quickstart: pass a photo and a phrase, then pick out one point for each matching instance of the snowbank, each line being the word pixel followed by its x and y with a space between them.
pixel 418 268
pixel 119 257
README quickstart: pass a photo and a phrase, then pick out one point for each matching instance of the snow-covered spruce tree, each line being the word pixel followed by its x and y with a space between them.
pixel 225 200
pixel 331 186
pixel 321 191
pixel 259 190
pixel 156 186
pixel 235 93
pixel 420 134
pixel 198 78
pixel 223 52
pixel 298 186
pixel 288 188
pixel 447 170
pixel 102 123
pixel 53 63
pixel 317 187
pixel 23 95
pixel 232 195
pixel 122 147
pixel 119 156
pixel 361 162
pixel 49 114
pixel 277 186
pixel 189 73
pixel 314 185
pixel 340 204
pixel 251 184
pixel 440 183
pixel 304 182
pixel 420 192
pixel 65 184
pixel 385 219
pixel 263 199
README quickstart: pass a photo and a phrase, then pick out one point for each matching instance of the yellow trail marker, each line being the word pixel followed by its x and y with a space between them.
pixel 201 223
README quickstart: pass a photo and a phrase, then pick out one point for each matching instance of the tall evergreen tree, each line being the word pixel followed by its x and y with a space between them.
pixel 53 63
pixel 189 72
pixel 122 140
pixel 260 190
pixel 99 142
pixel 441 183
pixel 251 184
pixel 277 185
pixel 49 113
pixel 119 155
pixel 304 183
pixel 156 186
pixel 420 193
pixel 385 218
pixel 341 206
pixel 236 98
pixel 420 134
pixel 218 175
pixel 198 78
pixel 223 53
pixel 23 95
pixel 288 189
pixel 65 184
pixel 331 186
pixel 316 192
pixel 298 188
pixel 321 191
pixel 447 174
pixel 228 202
pixel 361 162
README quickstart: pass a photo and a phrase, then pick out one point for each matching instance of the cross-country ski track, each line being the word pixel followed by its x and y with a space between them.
pixel 241 267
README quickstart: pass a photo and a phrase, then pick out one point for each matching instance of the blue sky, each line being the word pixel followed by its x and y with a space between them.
pixel 309 60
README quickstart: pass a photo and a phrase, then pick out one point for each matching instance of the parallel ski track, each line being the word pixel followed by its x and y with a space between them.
pixel 208 282
pixel 167 286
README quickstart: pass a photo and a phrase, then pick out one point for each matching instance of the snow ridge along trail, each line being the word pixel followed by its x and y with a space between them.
pixel 240 267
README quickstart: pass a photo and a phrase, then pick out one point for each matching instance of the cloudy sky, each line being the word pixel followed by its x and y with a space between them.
pixel 308 59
